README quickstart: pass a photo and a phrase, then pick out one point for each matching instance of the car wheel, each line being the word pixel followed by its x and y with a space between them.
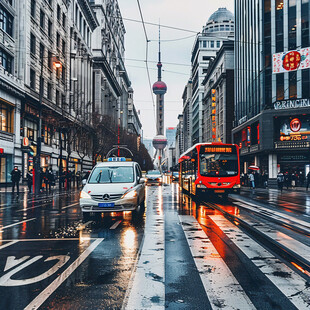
pixel 86 216
pixel 140 208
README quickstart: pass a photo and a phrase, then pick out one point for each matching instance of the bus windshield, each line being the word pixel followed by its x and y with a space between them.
pixel 219 162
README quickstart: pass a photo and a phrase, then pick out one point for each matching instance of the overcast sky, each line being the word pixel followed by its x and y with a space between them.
pixel 189 15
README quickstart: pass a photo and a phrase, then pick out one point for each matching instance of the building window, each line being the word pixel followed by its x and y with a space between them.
pixel 58 12
pixel 227 28
pixel 212 44
pixel 204 43
pixel 293 85
pixel 32 44
pixel 50 2
pixel 6 21
pixel 292 25
pixel 42 19
pixel 58 73
pixel 63 74
pixel 64 47
pixel 63 101
pixel 305 83
pixel 58 40
pixel 6 117
pixel 279 26
pixel 64 20
pixel 280 86
pixel 305 23
pixel 218 44
pixel 32 79
pixel 222 28
pixel 42 48
pixel 6 61
pixel 33 8
pixel 57 97
pixel 49 91
pixel 50 29
pixel 50 60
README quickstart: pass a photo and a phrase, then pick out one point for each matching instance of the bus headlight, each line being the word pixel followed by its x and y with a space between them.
pixel 201 186
pixel 237 186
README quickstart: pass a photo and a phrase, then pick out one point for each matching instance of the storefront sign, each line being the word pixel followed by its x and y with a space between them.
pixel 291 104
pixel 1 151
pixel 25 165
pixel 291 60
pixel 294 158
pixel 295 125
pixel 25 141
pixel 213 114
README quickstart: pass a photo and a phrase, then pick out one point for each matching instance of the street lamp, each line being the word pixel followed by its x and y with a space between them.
pixel 37 162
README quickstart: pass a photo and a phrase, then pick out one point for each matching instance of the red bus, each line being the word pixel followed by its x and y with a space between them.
pixel 210 168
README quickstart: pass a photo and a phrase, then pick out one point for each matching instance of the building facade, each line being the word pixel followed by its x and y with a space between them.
pixel 134 123
pixel 272 86
pixel 219 27
pixel 187 115
pixel 179 137
pixel 11 90
pixel 218 100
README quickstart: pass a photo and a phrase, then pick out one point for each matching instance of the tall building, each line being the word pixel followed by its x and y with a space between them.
pixel 218 101
pixel 219 27
pixel 187 115
pixel 170 135
pixel 179 138
pixel 272 100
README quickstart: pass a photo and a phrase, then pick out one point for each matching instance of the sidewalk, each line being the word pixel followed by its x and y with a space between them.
pixel 24 189
pixel 290 189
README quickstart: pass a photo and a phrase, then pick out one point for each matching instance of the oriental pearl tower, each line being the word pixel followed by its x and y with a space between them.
pixel 159 89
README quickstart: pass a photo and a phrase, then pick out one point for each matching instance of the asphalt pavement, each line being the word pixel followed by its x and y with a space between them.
pixel 251 252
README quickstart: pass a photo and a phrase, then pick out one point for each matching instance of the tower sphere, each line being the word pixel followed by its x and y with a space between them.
pixel 160 142
pixel 159 88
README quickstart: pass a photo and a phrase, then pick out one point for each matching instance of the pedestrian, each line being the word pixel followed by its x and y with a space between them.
pixel 280 180
pixel 29 180
pixel 50 179
pixel 293 180
pixel 252 180
pixel 286 180
pixel 308 180
pixel 69 179
pixel 15 177
pixel 265 179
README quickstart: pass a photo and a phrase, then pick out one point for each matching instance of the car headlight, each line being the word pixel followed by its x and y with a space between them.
pixel 84 195
pixel 131 194
pixel 237 186
pixel 201 186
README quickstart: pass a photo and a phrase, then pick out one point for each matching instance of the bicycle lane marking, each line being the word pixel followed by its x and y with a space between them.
pixel 50 289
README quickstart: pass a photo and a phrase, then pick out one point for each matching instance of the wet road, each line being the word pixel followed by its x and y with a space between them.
pixel 251 252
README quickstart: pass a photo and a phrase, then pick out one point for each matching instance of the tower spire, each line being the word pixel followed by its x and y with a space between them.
pixel 159 65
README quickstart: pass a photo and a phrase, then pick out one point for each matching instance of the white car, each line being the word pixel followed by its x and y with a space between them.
pixel 113 186
pixel 154 177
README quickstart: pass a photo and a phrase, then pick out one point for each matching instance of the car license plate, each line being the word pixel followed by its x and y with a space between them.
pixel 219 191
pixel 106 205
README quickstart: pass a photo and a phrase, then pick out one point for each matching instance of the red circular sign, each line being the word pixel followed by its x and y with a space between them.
pixel 291 61
pixel 295 125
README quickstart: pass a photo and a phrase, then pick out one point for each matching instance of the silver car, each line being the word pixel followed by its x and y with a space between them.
pixel 154 177
pixel 113 187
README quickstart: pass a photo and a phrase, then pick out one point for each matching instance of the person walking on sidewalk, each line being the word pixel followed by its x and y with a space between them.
pixel 252 180
pixel 308 180
pixel 280 179
pixel 29 180
pixel 15 176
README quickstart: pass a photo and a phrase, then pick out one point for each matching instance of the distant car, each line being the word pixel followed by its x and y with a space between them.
pixel 175 176
pixel 153 177
pixel 113 186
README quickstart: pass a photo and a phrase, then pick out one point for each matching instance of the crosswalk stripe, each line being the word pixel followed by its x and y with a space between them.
pixel 147 288
pixel 293 286
pixel 221 286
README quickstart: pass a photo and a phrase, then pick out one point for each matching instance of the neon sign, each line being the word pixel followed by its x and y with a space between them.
pixel 295 125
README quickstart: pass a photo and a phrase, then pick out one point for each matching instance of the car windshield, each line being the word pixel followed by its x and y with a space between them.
pixel 112 175
pixel 175 174
pixel 153 172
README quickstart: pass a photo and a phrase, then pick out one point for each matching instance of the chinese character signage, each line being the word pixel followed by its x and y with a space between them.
pixel 213 114
pixel 291 61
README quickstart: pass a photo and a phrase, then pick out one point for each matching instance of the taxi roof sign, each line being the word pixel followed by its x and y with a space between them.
pixel 117 159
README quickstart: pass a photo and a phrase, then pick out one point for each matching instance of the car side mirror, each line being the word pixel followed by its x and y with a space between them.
pixel 142 181
pixel 84 181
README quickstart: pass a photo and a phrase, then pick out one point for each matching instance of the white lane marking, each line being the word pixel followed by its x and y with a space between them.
pixel 149 278
pixel 6 280
pixel 293 286
pixel 18 223
pixel 220 285
pixel 46 239
pixel 114 226
pixel 12 261
pixel 256 208
pixel 48 291
pixel 8 244
pixel 284 239
pixel 74 204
